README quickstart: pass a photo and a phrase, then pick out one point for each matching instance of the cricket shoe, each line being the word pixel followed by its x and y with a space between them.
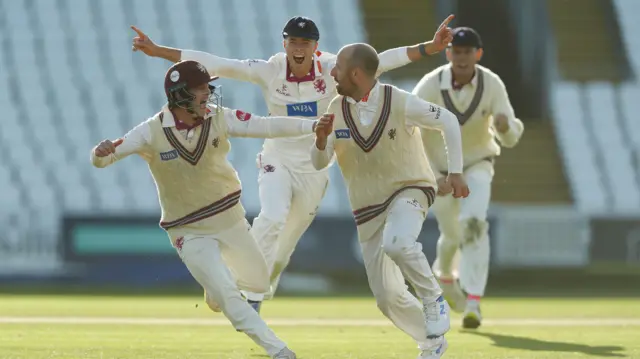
pixel 472 317
pixel 440 346
pixel 285 353
pixel 436 315
pixel 453 293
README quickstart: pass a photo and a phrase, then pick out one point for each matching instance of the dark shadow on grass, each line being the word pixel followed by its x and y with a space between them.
pixel 531 344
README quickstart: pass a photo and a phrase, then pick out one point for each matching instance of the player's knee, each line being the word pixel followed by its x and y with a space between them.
pixel 399 246
pixel 386 301
pixel 213 305
pixel 273 220
pixel 279 266
pixel 474 229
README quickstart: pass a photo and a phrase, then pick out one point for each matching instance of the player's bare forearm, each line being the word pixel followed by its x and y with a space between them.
pixel 168 53
pixel 321 143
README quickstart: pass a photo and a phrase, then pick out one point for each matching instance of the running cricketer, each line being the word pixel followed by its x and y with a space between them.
pixel 296 82
pixel 186 146
pixel 479 99
pixel 391 186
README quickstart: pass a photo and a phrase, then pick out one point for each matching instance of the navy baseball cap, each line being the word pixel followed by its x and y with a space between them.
pixel 467 37
pixel 301 26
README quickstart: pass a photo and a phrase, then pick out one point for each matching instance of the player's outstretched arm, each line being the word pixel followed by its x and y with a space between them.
pixel 244 124
pixel 401 56
pixel 257 71
pixel 508 128
pixel 108 152
pixel 322 151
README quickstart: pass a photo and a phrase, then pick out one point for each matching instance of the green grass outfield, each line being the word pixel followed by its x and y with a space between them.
pixel 159 327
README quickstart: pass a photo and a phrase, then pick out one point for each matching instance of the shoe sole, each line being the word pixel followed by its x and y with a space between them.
pixel 471 321
pixel 443 348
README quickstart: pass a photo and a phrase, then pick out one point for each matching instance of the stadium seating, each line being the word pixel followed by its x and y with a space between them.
pixel 598 129
pixel 70 79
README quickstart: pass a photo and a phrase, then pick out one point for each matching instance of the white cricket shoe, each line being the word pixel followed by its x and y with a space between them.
pixel 436 315
pixel 472 317
pixel 285 353
pixel 453 293
pixel 436 351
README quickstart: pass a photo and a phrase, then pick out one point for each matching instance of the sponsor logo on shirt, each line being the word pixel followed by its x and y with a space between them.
pixel 343 133
pixel 304 109
pixel 169 155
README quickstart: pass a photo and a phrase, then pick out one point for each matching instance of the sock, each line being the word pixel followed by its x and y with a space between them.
pixel 446 280
pixel 474 297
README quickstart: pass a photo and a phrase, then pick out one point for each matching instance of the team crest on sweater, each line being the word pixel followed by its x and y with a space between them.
pixel 392 134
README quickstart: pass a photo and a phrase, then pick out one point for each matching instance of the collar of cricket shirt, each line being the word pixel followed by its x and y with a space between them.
pixel 169 119
pixel 311 76
pixel 447 82
pixel 369 99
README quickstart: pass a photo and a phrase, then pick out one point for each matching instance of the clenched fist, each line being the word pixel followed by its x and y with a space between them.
pixel 443 187
pixel 501 123
pixel 458 184
pixel 106 147
pixel 324 127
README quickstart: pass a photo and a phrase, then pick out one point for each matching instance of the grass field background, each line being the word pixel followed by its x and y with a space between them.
pixel 92 327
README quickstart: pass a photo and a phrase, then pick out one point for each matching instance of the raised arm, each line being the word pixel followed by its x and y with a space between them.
pixel 424 114
pixel 322 150
pixel 244 124
pixel 256 71
pixel 508 128
pixel 402 56
pixel 108 152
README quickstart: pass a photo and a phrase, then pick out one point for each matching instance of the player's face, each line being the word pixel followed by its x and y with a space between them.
pixel 300 52
pixel 463 59
pixel 202 94
pixel 343 76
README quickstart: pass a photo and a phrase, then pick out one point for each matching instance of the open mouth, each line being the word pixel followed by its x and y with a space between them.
pixel 203 105
pixel 299 59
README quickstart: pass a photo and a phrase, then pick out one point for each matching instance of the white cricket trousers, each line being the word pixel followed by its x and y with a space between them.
pixel 394 254
pixel 463 226
pixel 289 202
pixel 219 261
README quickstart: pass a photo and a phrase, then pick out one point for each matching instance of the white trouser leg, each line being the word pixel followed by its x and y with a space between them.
pixel 203 256
pixel 475 245
pixel 392 252
pixel 447 212
pixel 400 243
pixel 308 191
pixel 276 193
pixel 388 286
